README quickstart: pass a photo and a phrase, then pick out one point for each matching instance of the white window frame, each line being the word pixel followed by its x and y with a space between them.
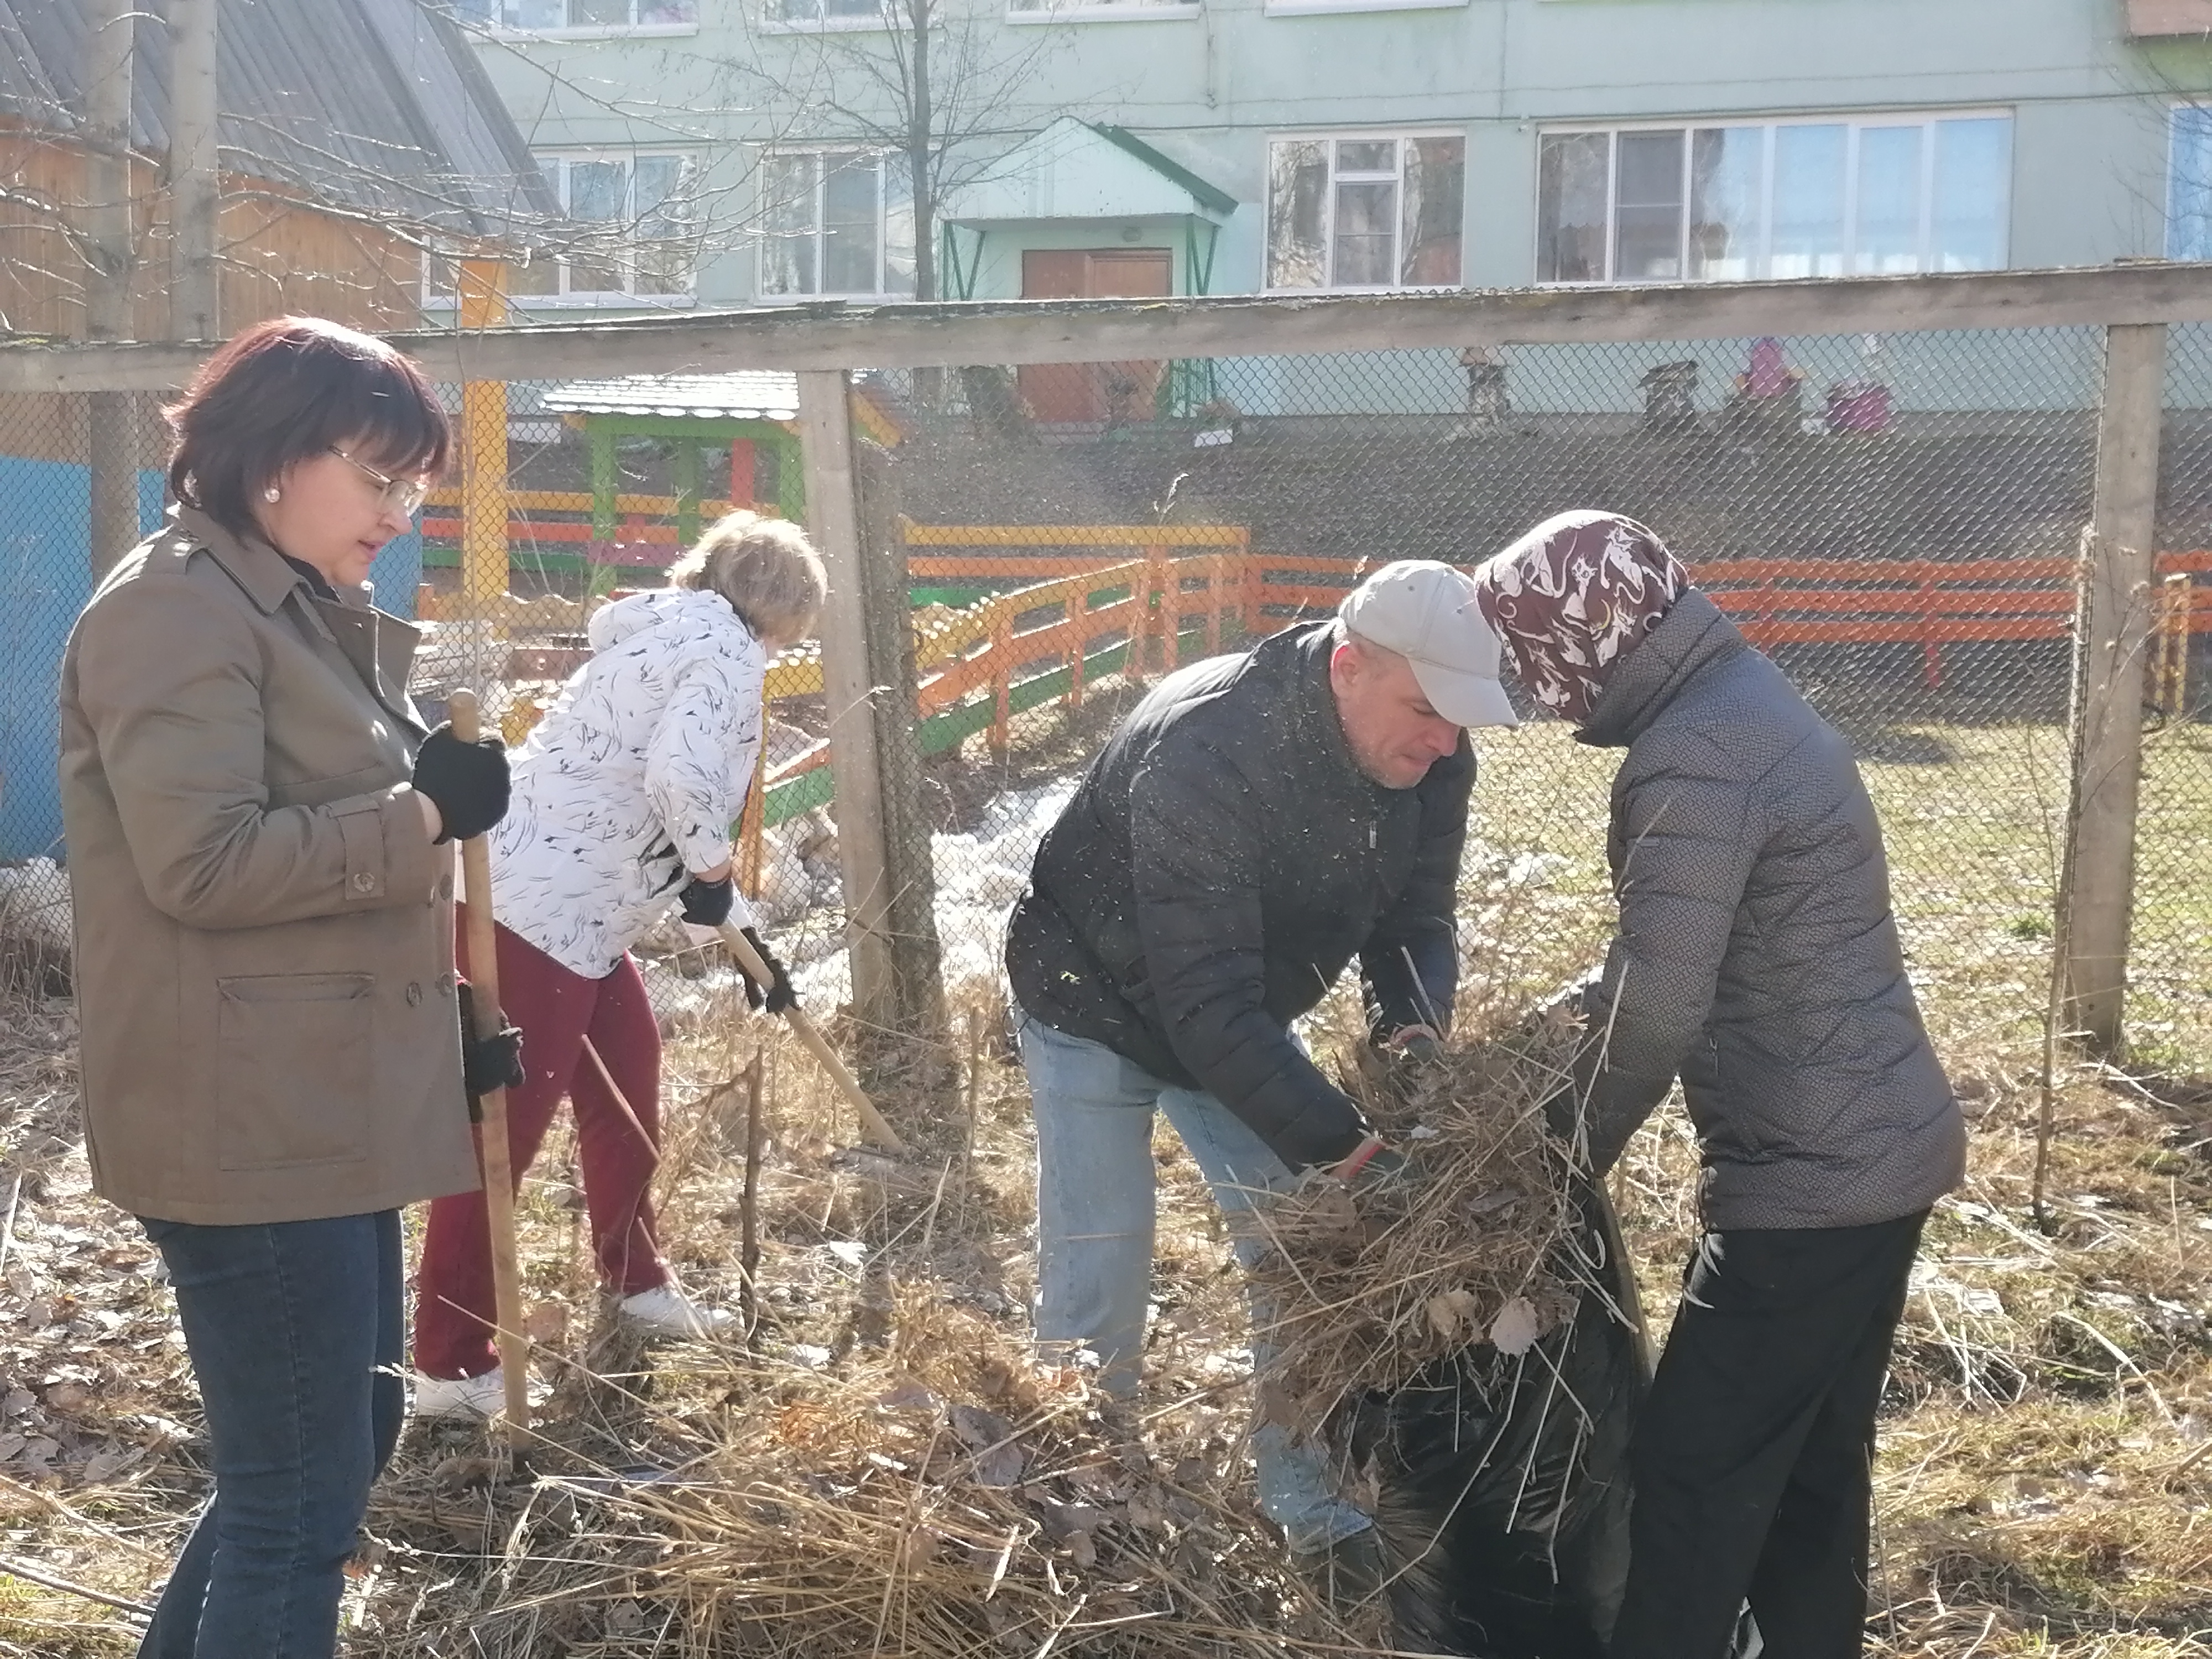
pixel 2174 116
pixel 499 28
pixel 1104 11
pixel 625 255
pixel 885 158
pixel 1331 137
pixel 1319 7
pixel 1854 124
pixel 873 22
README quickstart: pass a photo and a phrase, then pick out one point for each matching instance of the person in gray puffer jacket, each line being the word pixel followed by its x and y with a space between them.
pixel 1757 958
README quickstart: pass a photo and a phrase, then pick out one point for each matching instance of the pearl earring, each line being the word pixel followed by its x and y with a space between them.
pixel 269 494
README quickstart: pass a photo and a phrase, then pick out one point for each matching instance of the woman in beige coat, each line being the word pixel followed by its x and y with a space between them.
pixel 273 1059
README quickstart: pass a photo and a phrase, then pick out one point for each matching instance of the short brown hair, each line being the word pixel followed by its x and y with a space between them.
pixel 765 567
pixel 290 389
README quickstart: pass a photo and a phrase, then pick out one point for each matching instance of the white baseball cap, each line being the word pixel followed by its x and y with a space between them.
pixel 1426 612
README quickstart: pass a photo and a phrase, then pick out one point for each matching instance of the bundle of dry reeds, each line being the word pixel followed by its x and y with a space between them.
pixel 1373 1281
pixel 937 1496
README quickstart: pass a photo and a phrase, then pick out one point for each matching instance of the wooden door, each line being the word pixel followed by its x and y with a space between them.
pixel 1090 393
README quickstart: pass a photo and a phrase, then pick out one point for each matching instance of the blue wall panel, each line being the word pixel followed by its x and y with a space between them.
pixel 46 577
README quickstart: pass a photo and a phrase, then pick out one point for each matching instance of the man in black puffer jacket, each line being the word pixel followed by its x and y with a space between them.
pixel 1257 821
pixel 1758 959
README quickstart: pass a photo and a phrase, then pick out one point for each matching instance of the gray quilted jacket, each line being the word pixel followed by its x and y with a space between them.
pixel 1758 955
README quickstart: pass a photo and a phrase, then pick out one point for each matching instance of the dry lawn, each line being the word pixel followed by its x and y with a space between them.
pixel 881 1471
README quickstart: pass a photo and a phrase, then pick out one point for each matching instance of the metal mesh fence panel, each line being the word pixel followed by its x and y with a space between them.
pixel 78 472
pixel 1895 519
pixel 2170 953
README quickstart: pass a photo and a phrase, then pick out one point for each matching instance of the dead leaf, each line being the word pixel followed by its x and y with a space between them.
pixel 460 1472
pixel 1065 1521
pixel 998 1461
pixel 105 1465
pixel 1451 1313
pixel 1517 1327
pixel 547 1323
pixel 1148 1510
pixel 907 1395
pixel 919 1548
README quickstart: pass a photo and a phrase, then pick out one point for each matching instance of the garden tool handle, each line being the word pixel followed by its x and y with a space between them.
pixel 492 1151
pixel 873 1123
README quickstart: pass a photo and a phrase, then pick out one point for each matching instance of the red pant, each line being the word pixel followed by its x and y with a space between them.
pixel 556 1010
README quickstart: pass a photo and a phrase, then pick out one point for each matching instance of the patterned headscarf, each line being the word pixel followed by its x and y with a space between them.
pixel 1571 598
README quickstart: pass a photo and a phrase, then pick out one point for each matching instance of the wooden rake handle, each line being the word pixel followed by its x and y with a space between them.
pixel 873 1123
pixel 491 1129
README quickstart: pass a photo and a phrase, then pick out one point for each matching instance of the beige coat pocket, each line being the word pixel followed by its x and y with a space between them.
pixel 295 1054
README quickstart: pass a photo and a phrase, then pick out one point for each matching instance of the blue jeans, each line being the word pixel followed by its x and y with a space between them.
pixel 1095 1221
pixel 296 1331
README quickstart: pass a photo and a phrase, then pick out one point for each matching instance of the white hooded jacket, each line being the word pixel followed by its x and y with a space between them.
pixel 632 779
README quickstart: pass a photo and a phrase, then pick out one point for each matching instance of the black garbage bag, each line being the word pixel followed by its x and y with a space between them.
pixel 1502 1481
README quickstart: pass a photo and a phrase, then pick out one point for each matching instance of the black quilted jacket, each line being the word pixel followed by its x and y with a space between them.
pixel 1758 955
pixel 1218 867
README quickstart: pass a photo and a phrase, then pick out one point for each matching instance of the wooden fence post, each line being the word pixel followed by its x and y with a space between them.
pixel 1166 585
pixel 2171 681
pixel 2118 611
pixel 1215 565
pixel 111 438
pixel 833 519
pixel 1002 681
pixel 1077 607
pixel 483 294
pixel 1254 586
pixel 911 913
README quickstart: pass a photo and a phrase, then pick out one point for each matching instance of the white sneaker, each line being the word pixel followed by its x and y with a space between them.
pixel 461 1396
pixel 664 1310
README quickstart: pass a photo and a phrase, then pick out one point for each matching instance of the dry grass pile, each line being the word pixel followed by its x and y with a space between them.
pixel 932 1495
pixel 1471 1242
pixel 879 1468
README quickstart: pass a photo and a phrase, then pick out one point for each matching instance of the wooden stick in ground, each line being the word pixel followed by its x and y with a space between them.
pixel 974 1091
pixel 491 1127
pixel 748 1203
pixel 873 1123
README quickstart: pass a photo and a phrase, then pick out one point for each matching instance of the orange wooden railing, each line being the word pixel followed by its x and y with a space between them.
pixel 1070 601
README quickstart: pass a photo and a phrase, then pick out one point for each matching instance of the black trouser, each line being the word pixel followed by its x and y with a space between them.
pixel 1753 1457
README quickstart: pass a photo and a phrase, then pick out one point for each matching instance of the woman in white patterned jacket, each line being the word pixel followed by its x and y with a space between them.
pixel 624 797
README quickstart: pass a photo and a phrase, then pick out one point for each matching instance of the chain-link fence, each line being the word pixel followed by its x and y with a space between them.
pixel 1896 518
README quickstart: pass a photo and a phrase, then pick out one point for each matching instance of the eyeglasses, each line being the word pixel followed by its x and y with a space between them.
pixel 405 495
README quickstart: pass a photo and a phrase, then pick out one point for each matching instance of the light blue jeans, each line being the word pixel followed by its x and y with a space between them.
pixel 1095 1219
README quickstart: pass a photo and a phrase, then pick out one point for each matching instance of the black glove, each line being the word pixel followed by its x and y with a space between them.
pixel 487 1063
pixel 707 904
pixel 466 782
pixel 777 996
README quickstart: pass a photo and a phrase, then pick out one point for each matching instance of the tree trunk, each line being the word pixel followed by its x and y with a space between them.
pixel 919 117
